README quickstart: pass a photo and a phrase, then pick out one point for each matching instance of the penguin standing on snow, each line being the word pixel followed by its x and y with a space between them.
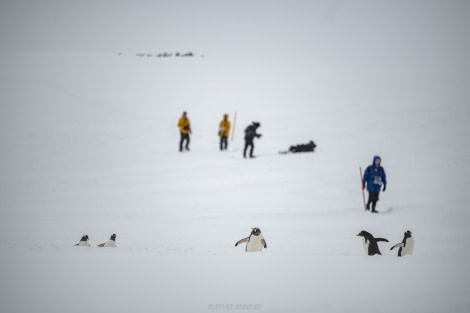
pixel 84 241
pixel 406 246
pixel 110 243
pixel 370 243
pixel 255 242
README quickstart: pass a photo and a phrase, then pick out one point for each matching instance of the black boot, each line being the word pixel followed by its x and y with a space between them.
pixel 374 204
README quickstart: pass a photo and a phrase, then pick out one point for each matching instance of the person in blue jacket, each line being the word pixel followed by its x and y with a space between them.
pixel 374 178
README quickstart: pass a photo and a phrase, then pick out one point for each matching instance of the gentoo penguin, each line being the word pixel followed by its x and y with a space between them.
pixel 370 243
pixel 84 241
pixel 406 246
pixel 255 242
pixel 110 243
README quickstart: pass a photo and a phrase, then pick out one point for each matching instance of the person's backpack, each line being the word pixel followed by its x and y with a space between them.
pixel 249 132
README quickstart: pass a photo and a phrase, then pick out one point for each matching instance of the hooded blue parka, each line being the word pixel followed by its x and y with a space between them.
pixel 375 176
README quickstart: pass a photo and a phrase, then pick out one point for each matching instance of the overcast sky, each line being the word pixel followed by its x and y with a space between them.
pixel 384 31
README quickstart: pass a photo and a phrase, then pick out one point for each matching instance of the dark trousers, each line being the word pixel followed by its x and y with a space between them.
pixel 373 198
pixel 223 143
pixel 248 143
pixel 184 137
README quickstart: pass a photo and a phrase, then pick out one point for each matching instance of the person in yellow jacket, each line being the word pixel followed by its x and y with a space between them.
pixel 184 126
pixel 224 131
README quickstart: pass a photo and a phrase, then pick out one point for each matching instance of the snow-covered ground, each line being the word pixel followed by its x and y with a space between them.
pixel 89 145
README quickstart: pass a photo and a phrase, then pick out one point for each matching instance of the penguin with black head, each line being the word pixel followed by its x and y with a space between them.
pixel 370 243
pixel 255 242
pixel 407 245
pixel 83 241
pixel 110 243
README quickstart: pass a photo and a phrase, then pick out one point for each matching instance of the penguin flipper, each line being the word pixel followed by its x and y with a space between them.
pixel 381 239
pixel 242 241
pixel 264 243
pixel 397 245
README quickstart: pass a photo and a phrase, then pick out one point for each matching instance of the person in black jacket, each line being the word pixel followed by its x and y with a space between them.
pixel 307 147
pixel 250 134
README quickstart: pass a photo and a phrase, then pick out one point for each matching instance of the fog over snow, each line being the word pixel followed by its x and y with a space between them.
pixel 89 145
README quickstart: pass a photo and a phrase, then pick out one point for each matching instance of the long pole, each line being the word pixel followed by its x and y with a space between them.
pixel 233 127
pixel 363 195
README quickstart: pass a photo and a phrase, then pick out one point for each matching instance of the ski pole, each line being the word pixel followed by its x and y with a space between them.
pixel 362 189
pixel 234 123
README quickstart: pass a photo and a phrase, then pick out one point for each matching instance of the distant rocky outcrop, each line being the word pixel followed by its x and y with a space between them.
pixel 165 54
